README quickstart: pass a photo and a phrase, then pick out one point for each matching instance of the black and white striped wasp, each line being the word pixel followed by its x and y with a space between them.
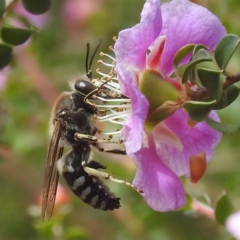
pixel 73 124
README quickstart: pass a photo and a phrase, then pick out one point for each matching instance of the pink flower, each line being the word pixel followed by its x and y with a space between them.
pixel 233 224
pixel 77 12
pixel 172 147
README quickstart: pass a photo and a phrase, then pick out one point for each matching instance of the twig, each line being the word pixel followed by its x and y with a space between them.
pixel 203 209
pixel 231 80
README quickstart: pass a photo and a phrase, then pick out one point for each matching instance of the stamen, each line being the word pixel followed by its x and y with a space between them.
pixel 106 55
pixel 102 74
pixel 104 63
pixel 112 105
pixel 112 133
pixel 109 106
pixel 115 100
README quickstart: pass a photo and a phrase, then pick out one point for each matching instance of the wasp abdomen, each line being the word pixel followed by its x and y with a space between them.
pixel 88 188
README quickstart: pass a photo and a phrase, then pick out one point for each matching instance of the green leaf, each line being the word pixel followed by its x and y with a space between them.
pixel 156 89
pixel 5 55
pixel 227 129
pixel 228 97
pixel 211 81
pixel 201 56
pixel 181 53
pixel 225 49
pixel 223 209
pixel 36 6
pixel 2 7
pixel 198 111
pixel 15 36
pixel 198 47
pixel 184 51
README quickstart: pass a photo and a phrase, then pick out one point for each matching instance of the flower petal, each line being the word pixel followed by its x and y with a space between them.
pixel 233 223
pixel 200 138
pixel 132 135
pixel 183 23
pixel 130 50
pixel 132 43
pixel 162 189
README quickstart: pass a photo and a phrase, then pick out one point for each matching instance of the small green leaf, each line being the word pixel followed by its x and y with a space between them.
pixel 227 129
pixel 15 36
pixel 2 7
pixel 5 55
pixel 223 209
pixel 184 51
pixel 201 56
pixel 156 89
pixel 225 49
pixel 198 111
pixel 211 81
pixel 181 53
pixel 36 6
pixel 228 97
pixel 160 113
pixel 198 47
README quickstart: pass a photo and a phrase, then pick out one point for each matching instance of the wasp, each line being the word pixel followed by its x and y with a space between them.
pixel 72 124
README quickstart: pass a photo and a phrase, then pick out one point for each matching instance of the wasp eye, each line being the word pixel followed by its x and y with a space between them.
pixel 84 87
pixel 62 113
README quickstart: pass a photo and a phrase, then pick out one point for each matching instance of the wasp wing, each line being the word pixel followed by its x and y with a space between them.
pixel 51 175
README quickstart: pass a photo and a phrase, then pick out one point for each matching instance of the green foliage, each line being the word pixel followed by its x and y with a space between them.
pixel 225 49
pixel 200 56
pixel 15 36
pixel 223 209
pixel 2 8
pixel 181 53
pixel 156 89
pixel 227 129
pixel 198 111
pixel 36 6
pixel 228 97
pixel 5 55
pixel 211 81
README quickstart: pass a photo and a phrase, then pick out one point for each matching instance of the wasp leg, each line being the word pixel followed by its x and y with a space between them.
pixel 95 165
pixel 107 176
pixel 95 142
pixel 92 139
pixel 115 151
pixel 101 149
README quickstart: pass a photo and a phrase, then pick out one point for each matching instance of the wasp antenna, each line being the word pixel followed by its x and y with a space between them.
pixel 87 56
pixel 91 60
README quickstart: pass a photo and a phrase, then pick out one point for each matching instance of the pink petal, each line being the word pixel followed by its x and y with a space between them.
pixel 162 189
pixel 130 50
pixel 132 44
pixel 183 23
pixel 200 138
pixel 233 224
pixel 132 135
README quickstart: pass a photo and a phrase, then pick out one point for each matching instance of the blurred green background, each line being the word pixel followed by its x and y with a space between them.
pixel 39 72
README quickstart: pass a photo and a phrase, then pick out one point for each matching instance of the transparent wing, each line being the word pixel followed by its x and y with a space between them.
pixel 51 175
